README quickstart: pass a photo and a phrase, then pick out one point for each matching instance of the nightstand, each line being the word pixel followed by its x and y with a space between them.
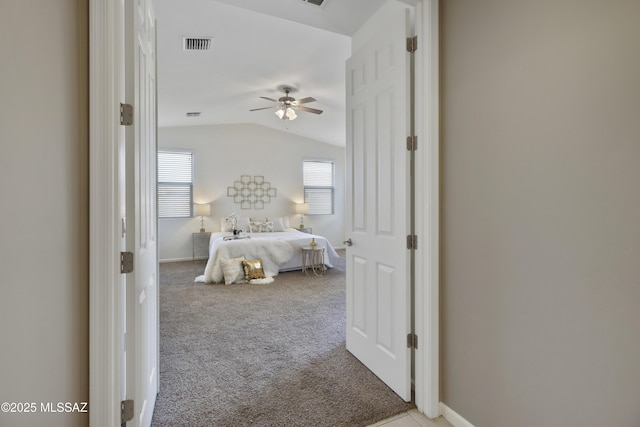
pixel 305 230
pixel 200 240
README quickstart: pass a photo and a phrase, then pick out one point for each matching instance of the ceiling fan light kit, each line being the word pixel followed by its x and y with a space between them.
pixel 286 106
pixel 286 113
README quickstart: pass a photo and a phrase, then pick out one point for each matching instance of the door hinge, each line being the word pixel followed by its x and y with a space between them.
pixel 126 411
pixel 126 262
pixel 412 241
pixel 412 44
pixel 412 143
pixel 412 341
pixel 126 114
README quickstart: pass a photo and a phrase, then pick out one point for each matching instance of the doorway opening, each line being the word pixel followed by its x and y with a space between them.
pixel 222 207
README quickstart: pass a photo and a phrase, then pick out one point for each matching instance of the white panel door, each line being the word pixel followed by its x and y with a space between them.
pixel 378 261
pixel 142 284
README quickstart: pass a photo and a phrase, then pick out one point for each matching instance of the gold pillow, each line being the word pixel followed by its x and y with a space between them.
pixel 253 269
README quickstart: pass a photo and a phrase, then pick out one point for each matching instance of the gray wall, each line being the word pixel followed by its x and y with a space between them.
pixel 44 351
pixel 541 212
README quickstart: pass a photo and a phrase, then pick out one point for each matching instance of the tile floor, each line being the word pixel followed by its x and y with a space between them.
pixel 413 418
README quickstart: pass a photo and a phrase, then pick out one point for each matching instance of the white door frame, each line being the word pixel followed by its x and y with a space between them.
pixel 105 344
pixel 427 272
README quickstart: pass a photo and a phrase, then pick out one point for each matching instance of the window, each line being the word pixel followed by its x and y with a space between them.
pixel 175 184
pixel 318 186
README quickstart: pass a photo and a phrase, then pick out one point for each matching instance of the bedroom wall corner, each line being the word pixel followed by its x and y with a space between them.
pixel 223 153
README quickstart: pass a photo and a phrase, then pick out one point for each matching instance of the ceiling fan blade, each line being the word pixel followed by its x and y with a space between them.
pixel 305 100
pixel 310 110
pixel 268 99
pixel 263 108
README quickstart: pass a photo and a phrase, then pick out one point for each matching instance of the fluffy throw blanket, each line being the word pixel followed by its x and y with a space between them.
pixel 272 253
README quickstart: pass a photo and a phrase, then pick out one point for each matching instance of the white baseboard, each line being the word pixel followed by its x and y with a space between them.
pixel 453 417
pixel 179 259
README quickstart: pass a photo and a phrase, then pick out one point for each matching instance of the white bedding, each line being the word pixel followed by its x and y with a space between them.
pixel 279 251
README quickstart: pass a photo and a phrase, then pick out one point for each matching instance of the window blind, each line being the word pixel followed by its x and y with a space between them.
pixel 175 184
pixel 318 179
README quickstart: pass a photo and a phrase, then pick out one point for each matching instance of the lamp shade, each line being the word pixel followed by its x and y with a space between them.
pixel 203 209
pixel 286 113
pixel 302 208
pixel 290 113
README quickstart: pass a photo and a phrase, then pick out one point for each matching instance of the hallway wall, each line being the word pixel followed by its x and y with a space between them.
pixel 541 212
pixel 44 291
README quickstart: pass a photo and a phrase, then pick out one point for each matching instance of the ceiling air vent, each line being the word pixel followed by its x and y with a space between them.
pixel 315 2
pixel 194 114
pixel 197 43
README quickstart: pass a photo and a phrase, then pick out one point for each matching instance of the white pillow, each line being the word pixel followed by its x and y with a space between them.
pixel 233 270
pixel 261 226
pixel 278 224
pixel 243 224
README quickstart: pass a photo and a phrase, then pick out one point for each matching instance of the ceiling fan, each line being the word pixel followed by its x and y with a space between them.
pixel 287 106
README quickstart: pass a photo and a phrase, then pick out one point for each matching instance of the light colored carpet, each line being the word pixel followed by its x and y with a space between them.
pixel 261 355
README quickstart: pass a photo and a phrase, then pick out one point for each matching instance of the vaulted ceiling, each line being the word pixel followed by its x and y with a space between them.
pixel 258 46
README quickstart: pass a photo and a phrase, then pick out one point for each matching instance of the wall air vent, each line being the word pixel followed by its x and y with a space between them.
pixel 197 43
pixel 194 114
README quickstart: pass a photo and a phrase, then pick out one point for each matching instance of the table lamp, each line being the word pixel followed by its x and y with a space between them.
pixel 302 208
pixel 202 210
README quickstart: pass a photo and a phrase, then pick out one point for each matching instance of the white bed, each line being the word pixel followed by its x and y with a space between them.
pixel 279 251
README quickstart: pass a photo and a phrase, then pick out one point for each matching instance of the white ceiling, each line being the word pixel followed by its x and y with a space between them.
pixel 258 45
